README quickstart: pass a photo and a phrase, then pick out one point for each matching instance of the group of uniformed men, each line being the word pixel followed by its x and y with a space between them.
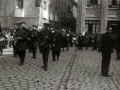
pixel 46 39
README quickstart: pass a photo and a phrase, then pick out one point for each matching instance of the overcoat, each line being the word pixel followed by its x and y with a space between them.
pixel 22 43
pixel 107 43
pixel 34 38
pixel 46 36
pixel 56 42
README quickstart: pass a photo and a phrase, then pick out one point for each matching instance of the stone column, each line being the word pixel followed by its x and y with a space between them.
pixel 104 14
pixel 81 11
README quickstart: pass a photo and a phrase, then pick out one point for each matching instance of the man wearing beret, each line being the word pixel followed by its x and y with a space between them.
pixel 22 42
pixel 45 36
pixel 16 30
pixel 34 40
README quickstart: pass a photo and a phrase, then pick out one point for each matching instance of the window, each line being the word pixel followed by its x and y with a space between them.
pixel 45 5
pixel 61 15
pixel 56 10
pixel 114 3
pixel 92 26
pixel 37 3
pixel 94 3
pixel 19 4
pixel 51 8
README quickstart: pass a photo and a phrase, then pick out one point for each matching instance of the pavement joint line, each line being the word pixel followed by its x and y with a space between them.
pixel 69 65
pixel 115 83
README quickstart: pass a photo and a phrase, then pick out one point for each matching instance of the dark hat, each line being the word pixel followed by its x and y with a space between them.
pixel 17 24
pixel 34 26
pixel 20 23
pixel 46 24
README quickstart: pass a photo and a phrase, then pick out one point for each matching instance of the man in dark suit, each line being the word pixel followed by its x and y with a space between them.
pixel 22 42
pixel 16 30
pixel 107 49
pixel 34 40
pixel 80 41
pixel 45 36
pixel 56 45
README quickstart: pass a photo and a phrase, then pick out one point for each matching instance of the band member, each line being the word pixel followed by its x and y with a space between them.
pixel 55 46
pixel 15 32
pixel 22 42
pixel 45 38
pixel 80 41
pixel 107 49
pixel 34 40
pixel 2 42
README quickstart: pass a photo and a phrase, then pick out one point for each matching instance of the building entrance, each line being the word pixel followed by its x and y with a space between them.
pixel 92 26
pixel 115 25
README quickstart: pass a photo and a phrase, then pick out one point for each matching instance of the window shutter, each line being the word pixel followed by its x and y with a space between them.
pixel 95 1
pixel 113 2
pixel 37 3
pixel 22 4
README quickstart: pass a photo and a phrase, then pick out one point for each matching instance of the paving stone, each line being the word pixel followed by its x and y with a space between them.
pixel 83 73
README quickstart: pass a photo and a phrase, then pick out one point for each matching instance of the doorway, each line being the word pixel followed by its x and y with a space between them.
pixel 90 27
pixel 115 25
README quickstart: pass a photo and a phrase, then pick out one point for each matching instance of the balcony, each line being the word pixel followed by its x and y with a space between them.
pixel 19 13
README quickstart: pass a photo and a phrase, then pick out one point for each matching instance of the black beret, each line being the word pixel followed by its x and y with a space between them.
pixel 46 24
pixel 17 24
pixel 22 23
pixel 34 26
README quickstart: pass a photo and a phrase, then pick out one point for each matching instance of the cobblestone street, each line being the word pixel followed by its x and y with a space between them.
pixel 75 70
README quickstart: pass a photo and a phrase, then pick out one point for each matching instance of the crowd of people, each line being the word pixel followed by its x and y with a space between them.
pixel 56 39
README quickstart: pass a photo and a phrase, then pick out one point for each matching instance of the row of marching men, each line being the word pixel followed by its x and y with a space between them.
pixel 46 40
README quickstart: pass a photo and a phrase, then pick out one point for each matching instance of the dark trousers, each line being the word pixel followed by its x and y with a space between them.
pixel 1 50
pixel 86 45
pixel 94 46
pixel 21 55
pixel 67 45
pixel 14 51
pixel 34 50
pixel 45 58
pixel 55 53
pixel 30 49
pixel 80 46
pixel 106 56
pixel 118 54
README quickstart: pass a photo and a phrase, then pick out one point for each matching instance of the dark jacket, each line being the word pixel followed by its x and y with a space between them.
pixel 107 43
pixel 80 39
pixel 56 42
pixel 22 43
pixel 34 38
pixel 45 36
pixel 117 41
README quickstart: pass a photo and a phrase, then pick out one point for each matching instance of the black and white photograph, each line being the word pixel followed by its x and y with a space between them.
pixel 59 44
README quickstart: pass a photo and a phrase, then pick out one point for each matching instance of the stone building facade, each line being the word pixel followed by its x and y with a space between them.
pixel 96 15
pixel 55 12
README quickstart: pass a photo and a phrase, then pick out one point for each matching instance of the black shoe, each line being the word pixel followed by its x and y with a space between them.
pixel 105 75
pixel 45 69
pixel 57 57
pixel 21 64
pixel 53 60
pixel 15 56
pixel 33 57
pixel 42 67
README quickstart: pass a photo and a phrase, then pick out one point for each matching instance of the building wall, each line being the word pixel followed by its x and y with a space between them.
pixel 31 13
pixel 103 14
pixel 6 13
pixel 9 14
